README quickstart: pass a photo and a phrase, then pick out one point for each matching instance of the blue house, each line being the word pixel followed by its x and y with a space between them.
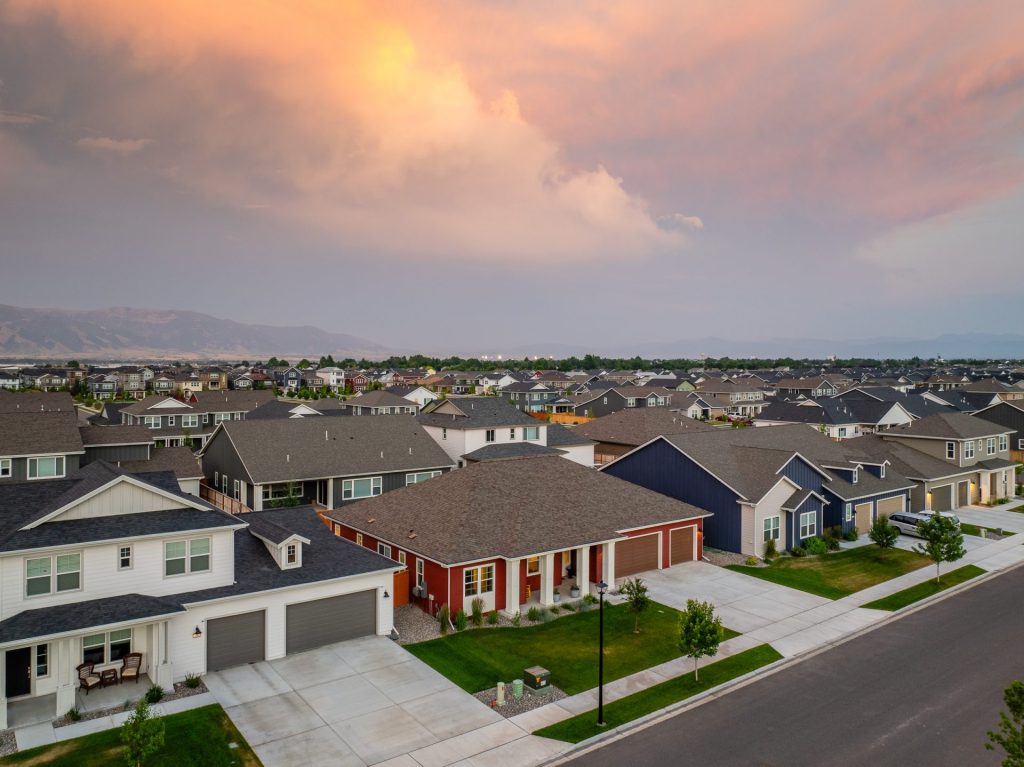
pixel 782 483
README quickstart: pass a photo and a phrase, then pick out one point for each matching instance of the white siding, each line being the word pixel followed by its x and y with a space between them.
pixel 583 454
pixel 771 506
pixel 123 498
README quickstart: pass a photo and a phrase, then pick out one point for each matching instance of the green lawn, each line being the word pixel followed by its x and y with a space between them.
pixel 838 575
pixel 926 589
pixel 640 704
pixel 968 529
pixel 196 738
pixel 567 647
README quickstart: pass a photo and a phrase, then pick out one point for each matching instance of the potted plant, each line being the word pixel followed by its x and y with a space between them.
pixel 557 596
pixel 574 591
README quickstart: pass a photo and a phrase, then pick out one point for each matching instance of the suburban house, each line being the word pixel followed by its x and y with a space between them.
pixel 808 388
pixel 1008 414
pixel 598 402
pixel 704 407
pixel 380 402
pixel 279 408
pixel 104 563
pixel 39 445
pixel 746 398
pixel 529 396
pixel 330 462
pixel 9 380
pixel 175 422
pixel 785 484
pixel 514 532
pixel 618 433
pixel 464 426
pixel 414 393
pixel 838 418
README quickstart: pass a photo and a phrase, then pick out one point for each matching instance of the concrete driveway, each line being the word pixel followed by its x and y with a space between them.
pixel 349 704
pixel 992 518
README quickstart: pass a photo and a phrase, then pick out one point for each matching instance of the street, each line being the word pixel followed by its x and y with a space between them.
pixel 922 690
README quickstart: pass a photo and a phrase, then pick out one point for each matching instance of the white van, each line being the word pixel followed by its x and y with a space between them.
pixel 907 521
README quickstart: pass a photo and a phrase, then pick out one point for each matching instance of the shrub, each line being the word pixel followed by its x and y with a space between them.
pixel 882 533
pixel 142 734
pixel 852 534
pixel 444 617
pixel 154 694
pixel 752 561
pixel 831 536
pixel 999 532
pixel 492 618
pixel 517 619
pixel 770 551
pixel 589 599
pixel 570 606
pixel 477 609
pixel 798 551
pixel 192 681
pixel 460 620
pixel 534 615
pixel 74 714
pixel 555 609
pixel 816 546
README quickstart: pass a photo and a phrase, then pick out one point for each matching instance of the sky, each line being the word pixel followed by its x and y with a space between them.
pixel 486 176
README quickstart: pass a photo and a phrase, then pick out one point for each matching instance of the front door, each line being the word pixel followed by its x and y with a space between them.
pixel 19 672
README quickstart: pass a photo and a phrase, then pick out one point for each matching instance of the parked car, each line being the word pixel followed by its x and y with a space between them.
pixel 907 521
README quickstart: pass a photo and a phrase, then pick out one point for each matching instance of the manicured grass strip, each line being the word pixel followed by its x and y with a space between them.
pixel 834 576
pixel 926 589
pixel 641 703
pixel 968 529
pixel 196 738
pixel 567 647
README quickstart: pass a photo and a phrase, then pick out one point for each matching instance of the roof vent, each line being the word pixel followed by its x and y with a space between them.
pixel 410 451
pixel 381 453
pixel 411 535
pixel 326 439
pixel 371 520
pixel 287 458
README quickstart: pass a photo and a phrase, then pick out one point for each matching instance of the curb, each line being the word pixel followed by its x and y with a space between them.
pixel 648 720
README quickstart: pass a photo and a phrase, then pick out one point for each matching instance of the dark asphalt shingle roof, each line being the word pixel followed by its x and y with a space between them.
pixel 41 433
pixel 563 436
pixel 951 426
pixel 76 616
pixel 35 402
pixel 180 460
pixel 475 413
pixel 635 426
pixel 509 450
pixel 281 409
pixel 94 436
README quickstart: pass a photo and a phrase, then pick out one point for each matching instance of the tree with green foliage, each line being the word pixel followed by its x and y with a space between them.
pixel 74 364
pixel 882 533
pixel 142 734
pixel 1010 735
pixel 700 631
pixel 635 592
pixel 943 541
pixel 304 364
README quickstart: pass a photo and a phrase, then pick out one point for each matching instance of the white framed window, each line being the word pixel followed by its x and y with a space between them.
pixel 531 433
pixel 188 556
pixel 420 580
pixel 771 529
pixel 384 550
pixel 420 476
pixel 221 417
pixel 360 488
pixel 236 488
pixel 477 580
pixel 42 660
pixel 1020 444
pixel 5 468
pixel 532 565
pixel 401 557
pixel 206 417
pixel 216 479
pixel 170 420
pixel 950 450
pixel 189 421
pixel 848 512
pixel 1004 443
pixel 990 446
pixel 489 435
pixel 512 434
pixel 291 554
pixel 151 421
pixel 359 539
pixel 48 467
pixel 124 557
pixel 53 574
pixel 842 431
pixel 107 647
pixel 968 450
pixel 808 524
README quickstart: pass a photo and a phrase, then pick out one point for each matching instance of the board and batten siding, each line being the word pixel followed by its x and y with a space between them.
pixel 803 474
pixel 835 511
pixel 388 481
pixel 810 504
pixel 19 467
pixel 115 453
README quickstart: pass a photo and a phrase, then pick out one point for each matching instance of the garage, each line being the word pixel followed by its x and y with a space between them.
pixel 942 498
pixel 235 640
pixel 681 545
pixel 862 512
pixel 891 506
pixel 333 619
pixel 636 555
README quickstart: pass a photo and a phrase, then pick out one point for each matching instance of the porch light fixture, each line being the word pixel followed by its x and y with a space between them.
pixel 386 594
pixel 197 633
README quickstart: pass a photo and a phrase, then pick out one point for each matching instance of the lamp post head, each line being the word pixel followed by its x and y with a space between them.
pixel 602 587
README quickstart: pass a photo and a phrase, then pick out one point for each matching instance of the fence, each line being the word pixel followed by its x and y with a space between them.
pixel 222 501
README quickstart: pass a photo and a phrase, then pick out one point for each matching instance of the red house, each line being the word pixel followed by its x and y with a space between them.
pixel 511 532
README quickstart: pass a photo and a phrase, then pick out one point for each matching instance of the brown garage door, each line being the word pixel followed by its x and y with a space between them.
pixel 635 555
pixel 891 506
pixel 963 490
pixel 942 498
pixel 863 516
pixel 681 545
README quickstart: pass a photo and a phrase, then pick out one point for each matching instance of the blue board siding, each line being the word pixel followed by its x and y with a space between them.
pixel 662 468
pixel 800 472
pixel 835 510
pixel 810 504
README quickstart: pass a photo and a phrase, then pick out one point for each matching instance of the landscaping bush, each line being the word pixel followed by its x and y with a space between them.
pixel 770 552
pixel 154 694
pixel 882 533
pixel 477 609
pixel 831 535
pixel 570 606
pixel 798 551
pixel 852 534
pixel 535 615
pixel 444 617
pixel 74 714
pixel 816 546
pixel 192 681
pixel 517 619
pixel 555 609
pixel 589 599
pixel 752 561
pixel 460 620
pixel 492 618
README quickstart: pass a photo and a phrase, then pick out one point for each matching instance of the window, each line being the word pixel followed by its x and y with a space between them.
pixel 124 557
pixel 46 468
pixel 5 467
pixel 37 576
pixel 419 573
pixel 152 421
pixel 842 431
pixel 359 539
pixel 771 529
pixel 42 660
pixel 401 557
pixel 236 489
pixel 478 580
pixel 360 488
pixel 1004 443
pixel 532 565
pixel 420 476
pixel 220 417
pixel 808 524
pixel 990 446
pixel 848 510
pixel 170 420
pixel 108 647
pixel 951 451
pixel 384 550
pixel 489 435
pixel 216 479
pixel 531 433
pixel 189 421
pixel 444 433
pixel 94 648
pixel 512 434
pixel 1020 444
pixel 968 450
pixel 291 554
pixel 281 490
pixel 206 417
pixel 40 572
pixel 181 557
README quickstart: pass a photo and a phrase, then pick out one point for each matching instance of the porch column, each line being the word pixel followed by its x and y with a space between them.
pixel 330 493
pixel 985 485
pixel 583 569
pixel 257 497
pixel 513 567
pixel 608 564
pixel 3 695
pixel 161 670
pixel 65 662
pixel 547 579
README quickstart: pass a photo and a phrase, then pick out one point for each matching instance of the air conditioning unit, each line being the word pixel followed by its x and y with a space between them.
pixel 419 591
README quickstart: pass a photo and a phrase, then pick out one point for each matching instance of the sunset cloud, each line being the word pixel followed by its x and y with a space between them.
pixel 113 145
pixel 21 118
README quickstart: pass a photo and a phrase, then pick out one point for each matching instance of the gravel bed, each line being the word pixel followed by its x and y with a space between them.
pixel 181 690
pixel 8 744
pixel 526 703
pixel 723 558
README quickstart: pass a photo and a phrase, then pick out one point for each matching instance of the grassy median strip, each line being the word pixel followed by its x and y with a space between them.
pixel 926 589
pixel 639 704
pixel 835 576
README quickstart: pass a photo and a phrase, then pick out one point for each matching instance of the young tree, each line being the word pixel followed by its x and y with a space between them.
pixel 943 541
pixel 635 592
pixel 142 734
pixel 1010 734
pixel 700 631
pixel 882 533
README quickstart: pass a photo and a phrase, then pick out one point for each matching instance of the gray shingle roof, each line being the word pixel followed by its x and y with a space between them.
pixel 951 426
pixel 509 450
pixel 635 426
pixel 93 436
pixel 475 413
pixel 76 616
pixel 563 436
pixel 206 402
pixel 180 460
pixel 35 402
pixel 40 433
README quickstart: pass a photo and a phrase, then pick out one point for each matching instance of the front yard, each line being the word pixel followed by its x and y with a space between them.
pixel 202 737
pixel 928 588
pixel 567 647
pixel 838 575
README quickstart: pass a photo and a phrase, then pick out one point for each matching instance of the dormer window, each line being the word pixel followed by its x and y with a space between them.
pixel 291 554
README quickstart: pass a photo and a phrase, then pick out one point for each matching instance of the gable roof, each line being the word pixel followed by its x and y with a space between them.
pixel 474 413
pixel 179 460
pixel 96 436
pixel 221 401
pixel 506 451
pixel 40 433
pixel 635 426
pixel 35 402
pixel 950 426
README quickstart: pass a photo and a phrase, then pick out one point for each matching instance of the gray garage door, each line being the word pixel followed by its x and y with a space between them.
pixel 334 619
pixel 235 640
pixel 942 498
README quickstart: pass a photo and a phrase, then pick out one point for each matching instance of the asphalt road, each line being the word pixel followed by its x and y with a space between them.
pixel 922 690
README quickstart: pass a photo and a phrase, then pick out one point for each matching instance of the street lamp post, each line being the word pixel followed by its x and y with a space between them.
pixel 601 588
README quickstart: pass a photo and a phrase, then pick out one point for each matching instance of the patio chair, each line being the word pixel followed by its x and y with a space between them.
pixel 130 666
pixel 87 677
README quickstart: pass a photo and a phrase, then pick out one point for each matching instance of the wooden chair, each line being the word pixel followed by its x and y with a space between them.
pixel 87 677
pixel 130 666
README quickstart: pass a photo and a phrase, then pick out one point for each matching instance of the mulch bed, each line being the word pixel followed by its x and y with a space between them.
pixel 515 707
pixel 8 744
pixel 181 690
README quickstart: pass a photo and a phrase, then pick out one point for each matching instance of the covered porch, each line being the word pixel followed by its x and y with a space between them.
pixel 534 580
pixel 38 710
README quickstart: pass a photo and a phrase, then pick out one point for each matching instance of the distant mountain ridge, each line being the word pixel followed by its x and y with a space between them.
pixel 126 333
